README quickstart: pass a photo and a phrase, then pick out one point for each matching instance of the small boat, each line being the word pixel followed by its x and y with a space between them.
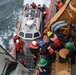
pixel 32 26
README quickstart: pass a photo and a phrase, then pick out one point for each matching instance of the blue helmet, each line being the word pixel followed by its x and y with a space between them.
pixel 41 43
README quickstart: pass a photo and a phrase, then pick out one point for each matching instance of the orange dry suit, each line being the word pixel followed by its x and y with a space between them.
pixel 19 46
pixel 34 50
pixel 60 5
pixel 15 38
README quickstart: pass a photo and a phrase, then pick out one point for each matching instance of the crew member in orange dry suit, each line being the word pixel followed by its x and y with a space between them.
pixel 15 37
pixel 60 5
pixel 33 5
pixel 56 40
pixel 33 47
pixel 19 46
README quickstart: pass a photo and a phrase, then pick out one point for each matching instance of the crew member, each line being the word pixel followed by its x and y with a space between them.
pixel 44 15
pixel 43 48
pixel 48 52
pixel 33 5
pixel 56 40
pixel 72 51
pixel 42 70
pixel 19 46
pixel 15 37
pixel 57 4
pixel 33 47
pixel 51 56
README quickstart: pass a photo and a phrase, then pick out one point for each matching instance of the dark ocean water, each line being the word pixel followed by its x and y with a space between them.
pixel 10 11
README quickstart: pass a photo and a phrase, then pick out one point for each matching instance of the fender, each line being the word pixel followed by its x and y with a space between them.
pixel 59 26
pixel 56 24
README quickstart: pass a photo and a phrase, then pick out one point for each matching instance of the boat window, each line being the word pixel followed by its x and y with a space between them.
pixel 36 34
pixel 21 34
pixel 28 35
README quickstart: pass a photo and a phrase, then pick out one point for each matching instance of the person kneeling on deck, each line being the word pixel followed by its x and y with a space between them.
pixel 33 47
pixel 42 70
pixel 72 51
pixel 15 37
pixel 19 46
pixel 56 40
pixel 48 52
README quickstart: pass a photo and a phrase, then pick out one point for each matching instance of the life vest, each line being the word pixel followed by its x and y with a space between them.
pixel 57 42
pixel 21 51
pixel 32 46
pixel 21 61
pixel 18 46
pixel 50 50
pixel 22 43
pixel 60 5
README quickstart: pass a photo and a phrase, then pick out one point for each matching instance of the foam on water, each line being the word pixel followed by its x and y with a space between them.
pixel 11 22
pixel 7 33
pixel 1 43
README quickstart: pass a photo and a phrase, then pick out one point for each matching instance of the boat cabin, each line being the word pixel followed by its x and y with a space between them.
pixel 30 25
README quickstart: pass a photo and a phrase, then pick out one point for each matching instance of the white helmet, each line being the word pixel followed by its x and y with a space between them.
pixel 34 43
pixel 44 12
pixel 14 34
pixel 17 41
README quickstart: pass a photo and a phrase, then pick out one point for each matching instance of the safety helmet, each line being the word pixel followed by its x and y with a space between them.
pixel 69 45
pixel 17 41
pixel 41 43
pixel 34 43
pixel 49 33
pixel 44 12
pixel 42 62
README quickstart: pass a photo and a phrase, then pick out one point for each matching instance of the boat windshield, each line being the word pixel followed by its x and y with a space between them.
pixel 28 35
pixel 33 13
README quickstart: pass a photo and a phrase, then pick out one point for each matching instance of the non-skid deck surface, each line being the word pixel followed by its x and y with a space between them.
pixel 63 68
pixel 28 57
